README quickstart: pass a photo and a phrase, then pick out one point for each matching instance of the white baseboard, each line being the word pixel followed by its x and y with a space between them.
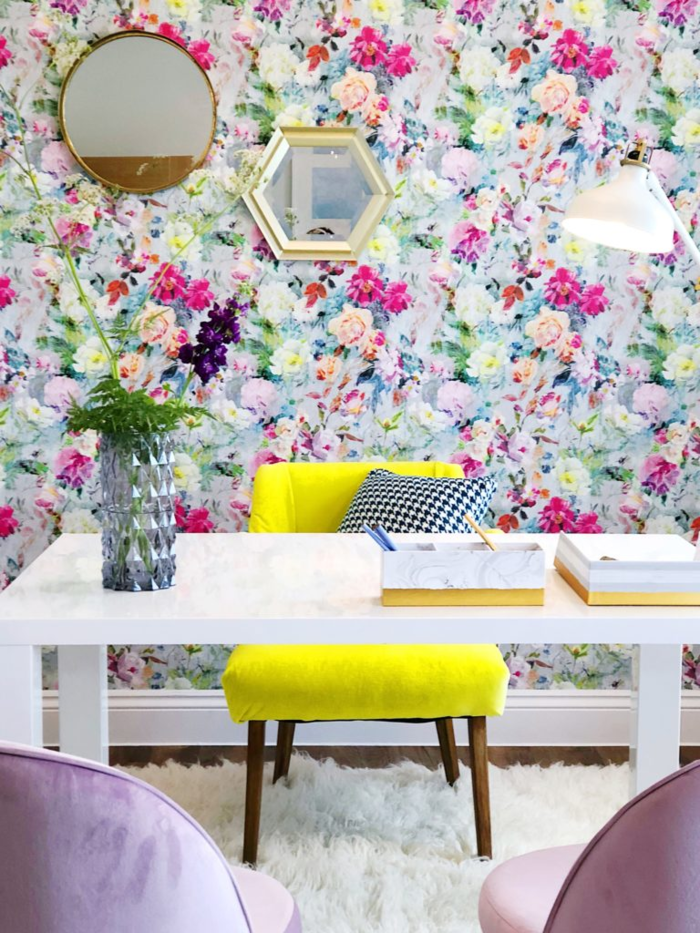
pixel 532 717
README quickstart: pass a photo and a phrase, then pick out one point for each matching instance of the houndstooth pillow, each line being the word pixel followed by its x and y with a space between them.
pixel 422 504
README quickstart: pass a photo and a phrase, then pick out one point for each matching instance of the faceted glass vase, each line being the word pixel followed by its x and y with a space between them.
pixel 138 511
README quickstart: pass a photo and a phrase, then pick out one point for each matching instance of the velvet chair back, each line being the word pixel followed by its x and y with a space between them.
pixel 86 848
pixel 641 873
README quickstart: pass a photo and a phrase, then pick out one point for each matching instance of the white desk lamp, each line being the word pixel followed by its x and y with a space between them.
pixel 631 212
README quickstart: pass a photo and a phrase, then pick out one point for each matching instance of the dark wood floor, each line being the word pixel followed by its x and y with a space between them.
pixel 375 756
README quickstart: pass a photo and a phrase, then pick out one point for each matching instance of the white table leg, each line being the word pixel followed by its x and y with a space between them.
pixel 656 715
pixel 20 695
pixel 82 701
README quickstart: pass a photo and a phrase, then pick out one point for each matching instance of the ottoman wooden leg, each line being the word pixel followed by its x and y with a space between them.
pixel 253 790
pixel 480 784
pixel 448 749
pixel 285 741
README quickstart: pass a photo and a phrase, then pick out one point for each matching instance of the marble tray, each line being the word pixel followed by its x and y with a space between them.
pixel 463 574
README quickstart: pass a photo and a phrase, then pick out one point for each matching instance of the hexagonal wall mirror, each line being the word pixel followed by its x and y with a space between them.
pixel 320 193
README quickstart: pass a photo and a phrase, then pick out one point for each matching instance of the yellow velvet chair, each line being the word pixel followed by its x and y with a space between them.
pixel 292 684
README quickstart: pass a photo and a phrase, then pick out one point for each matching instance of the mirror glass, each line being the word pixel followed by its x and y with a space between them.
pixel 138 112
pixel 318 193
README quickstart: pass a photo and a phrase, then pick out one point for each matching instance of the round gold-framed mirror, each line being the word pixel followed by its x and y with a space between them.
pixel 137 112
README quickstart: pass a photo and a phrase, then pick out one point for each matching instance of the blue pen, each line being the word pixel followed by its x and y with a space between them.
pixel 375 537
pixel 378 530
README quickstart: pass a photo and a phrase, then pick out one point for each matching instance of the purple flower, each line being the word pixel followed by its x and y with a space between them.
pixel 467 241
pixel 72 467
pixel 676 12
pixel 208 355
pixel 474 11
pixel 72 7
pixel 658 474
pixel 272 9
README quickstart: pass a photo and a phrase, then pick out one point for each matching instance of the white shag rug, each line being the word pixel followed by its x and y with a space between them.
pixel 391 850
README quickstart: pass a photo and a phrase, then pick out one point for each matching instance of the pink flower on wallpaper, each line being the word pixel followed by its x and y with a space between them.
pixel 180 514
pixel 365 286
pixel 587 524
pixel 372 344
pixel 171 32
pixel 198 295
pixel 665 165
pixel 468 241
pixel 200 51
pixel 171 283
pixel 594 300
pixel 557 516
pixel 400 61
pixel 178 338
pixel 374 108
pixel 658 474
pixel 325 444
pixel 570 50
pixel 8 522
pixel 57 160
pixel 676 12
pixel 652 401
pixel 260 244
pixel 354 403
pixel 396 298
pixel 562 289
pixel 601 63
pixel 691 667
pixel 74 234
pixel 197 522
pixel 7 294
pixel 44 126
pixel 261 397
pixel 160 394
pixel 5 53
pixel 470 467
pixel 368 49
pixel 71 7
pixel 526 217
pixel 457 399
pixel 460 166
pixel 520 446
pixel 73 468
pixel 261 457
pixel 60 391
pixel 474 11
pixel 128 667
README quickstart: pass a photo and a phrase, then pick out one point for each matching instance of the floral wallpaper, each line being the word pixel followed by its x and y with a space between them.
pixel 473 329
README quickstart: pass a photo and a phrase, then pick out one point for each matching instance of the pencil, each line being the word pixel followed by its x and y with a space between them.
pixel 485 538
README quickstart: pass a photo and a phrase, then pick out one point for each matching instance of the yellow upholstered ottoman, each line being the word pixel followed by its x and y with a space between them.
pixel 304 683
pixel 311 683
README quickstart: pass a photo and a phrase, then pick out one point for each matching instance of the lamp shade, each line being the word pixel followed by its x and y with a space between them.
pixel 623 214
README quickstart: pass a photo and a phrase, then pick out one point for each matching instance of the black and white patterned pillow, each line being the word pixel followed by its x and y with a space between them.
pixel 422 504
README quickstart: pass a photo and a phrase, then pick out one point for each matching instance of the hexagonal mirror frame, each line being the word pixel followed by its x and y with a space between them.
pixel 283 142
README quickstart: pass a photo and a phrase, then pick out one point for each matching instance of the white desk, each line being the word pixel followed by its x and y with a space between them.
pixel 294 589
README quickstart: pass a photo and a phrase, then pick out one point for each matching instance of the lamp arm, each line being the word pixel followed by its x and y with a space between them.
pixel 658 191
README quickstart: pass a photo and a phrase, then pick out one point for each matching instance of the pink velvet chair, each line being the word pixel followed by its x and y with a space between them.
pixel 84 848
pixel 640 874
